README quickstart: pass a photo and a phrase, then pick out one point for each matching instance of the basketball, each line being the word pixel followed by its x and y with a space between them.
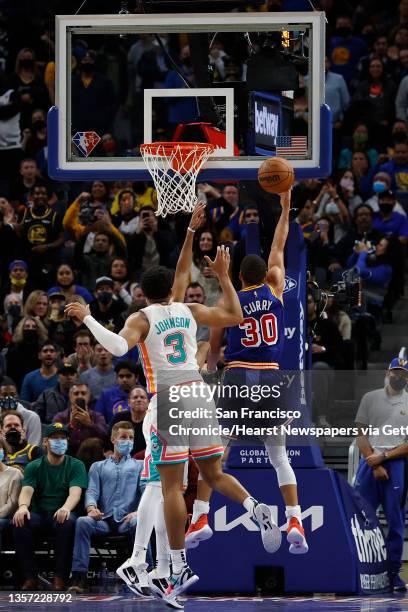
pixel 276 175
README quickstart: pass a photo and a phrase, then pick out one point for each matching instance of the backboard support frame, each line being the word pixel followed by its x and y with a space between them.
pixel 61 168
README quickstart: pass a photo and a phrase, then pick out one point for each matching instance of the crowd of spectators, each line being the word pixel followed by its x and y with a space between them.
pixel 67 406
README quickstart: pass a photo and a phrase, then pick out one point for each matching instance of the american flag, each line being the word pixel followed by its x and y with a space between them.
pixel 291 145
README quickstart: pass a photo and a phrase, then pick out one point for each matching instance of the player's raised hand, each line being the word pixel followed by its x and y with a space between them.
pixel 198 215
pixel 220 265
pixel 77 311
pixel 285 198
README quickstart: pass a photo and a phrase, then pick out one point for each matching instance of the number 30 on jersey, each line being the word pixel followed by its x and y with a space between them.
pixel 257 331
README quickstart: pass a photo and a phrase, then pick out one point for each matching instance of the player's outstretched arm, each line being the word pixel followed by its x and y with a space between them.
pixel 276 262
pixel 231 312
pixel 185 260
pixel 136 328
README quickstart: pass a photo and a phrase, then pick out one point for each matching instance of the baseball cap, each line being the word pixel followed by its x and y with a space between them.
pixel 18 263
pixel 103 280
pixel 54 293
pixel 386 194
pixel 398 364
pixel 55 428
pixel 66 368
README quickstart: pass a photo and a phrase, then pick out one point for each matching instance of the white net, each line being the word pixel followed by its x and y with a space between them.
pixel 174 167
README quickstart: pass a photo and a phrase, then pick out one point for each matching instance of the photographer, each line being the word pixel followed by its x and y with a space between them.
pixel 89 208
pixel 83 422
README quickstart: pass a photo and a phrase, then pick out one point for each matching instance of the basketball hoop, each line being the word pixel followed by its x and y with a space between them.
pixel 174 167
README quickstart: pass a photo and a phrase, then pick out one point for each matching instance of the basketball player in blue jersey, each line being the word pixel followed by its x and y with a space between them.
pixel 173 353
pixel 253 354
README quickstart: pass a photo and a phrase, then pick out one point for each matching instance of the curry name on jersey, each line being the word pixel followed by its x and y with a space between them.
pixel 257 342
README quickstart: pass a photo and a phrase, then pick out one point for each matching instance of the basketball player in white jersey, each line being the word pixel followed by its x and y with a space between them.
pixel 173 354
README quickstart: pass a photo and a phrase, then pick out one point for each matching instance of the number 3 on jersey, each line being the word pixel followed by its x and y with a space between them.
pixel 179 354
pixel 257 331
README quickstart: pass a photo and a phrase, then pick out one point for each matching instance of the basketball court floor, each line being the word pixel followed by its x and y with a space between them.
pixel 130 603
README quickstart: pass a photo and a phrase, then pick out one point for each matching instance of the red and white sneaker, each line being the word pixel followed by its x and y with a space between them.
pixel 198 532
pixel 296 537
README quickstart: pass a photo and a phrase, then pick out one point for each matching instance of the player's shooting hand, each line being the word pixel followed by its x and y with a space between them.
pixel 285 199
pixel 220 265
pixel 198 216
pixel 77 311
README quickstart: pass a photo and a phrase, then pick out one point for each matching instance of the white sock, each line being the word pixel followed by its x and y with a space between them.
pixel 178 559
pixel 145 521
pixel 294 511
pixel 199 507
pixel 162 545
pixel 249 504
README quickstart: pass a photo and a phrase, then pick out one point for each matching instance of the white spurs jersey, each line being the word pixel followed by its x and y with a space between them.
pixel 170 346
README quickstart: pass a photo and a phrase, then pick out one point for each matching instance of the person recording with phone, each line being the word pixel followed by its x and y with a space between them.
pixel 151 244
pixel 82 421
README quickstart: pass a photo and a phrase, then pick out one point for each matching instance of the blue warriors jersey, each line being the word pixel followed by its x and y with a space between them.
pixel 258 341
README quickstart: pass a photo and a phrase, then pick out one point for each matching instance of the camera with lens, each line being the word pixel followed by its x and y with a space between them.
pixel 87 214
pixel 346 292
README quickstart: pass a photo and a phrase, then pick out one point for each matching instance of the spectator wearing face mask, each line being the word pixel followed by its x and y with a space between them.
pixel 17 282
pixel 13 308
pixel 381 183
pixel 344 49
pixel 111 500
pixel 380 477
pixel 106 308
pixel 387 220
pixel 360 142
pixel 9 400
pixel 51 490
pixel 19 451
pixel 22 356
pixel 94 101
pixel 329 204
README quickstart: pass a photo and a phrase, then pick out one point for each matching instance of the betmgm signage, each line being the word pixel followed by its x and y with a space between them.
pixel 267 121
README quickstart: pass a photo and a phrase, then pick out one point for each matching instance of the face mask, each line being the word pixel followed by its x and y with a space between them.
pixel 88 68
pixel 38 125
pixel 343 32
pixel 30 336
pixel 59 446
pixel 28 64
pixel 347 183
pixel 360 138
pixel 186 62
pixel 14 311
pixel 104 297
pixel 13 437
pixel 379 186
pixel 386 209
pixel 332 209
pixel 18 282
pixel 398 384
pixel 1 454
pixel 124 447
